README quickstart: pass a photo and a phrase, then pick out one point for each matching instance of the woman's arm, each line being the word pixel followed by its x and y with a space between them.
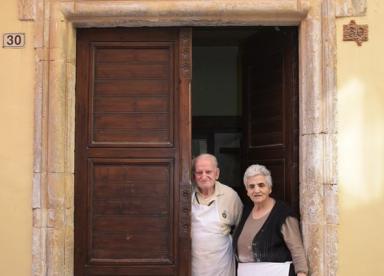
pixel 292 238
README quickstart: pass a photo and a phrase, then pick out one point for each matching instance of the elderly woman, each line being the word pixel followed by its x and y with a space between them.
pixel 267 239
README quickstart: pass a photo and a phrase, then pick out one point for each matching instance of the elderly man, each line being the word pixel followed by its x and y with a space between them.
pixel 216 208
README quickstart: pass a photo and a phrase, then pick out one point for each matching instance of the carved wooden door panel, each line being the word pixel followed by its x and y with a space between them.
pixel 132 191
pixel 270 78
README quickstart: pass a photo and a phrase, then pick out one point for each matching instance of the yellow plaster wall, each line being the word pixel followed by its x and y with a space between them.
pixel 360 73
pixel 16 142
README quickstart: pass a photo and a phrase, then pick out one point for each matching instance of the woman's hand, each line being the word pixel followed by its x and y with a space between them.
pixel 301 274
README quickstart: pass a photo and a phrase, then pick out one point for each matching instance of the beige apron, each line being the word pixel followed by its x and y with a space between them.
pixel 211 250
pixel 263 269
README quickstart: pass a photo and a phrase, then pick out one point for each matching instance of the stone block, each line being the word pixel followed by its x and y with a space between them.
pixel 55 252
pixel 38 251
pixel 36 191
pixel 56 218
pixel 56 190
pixel 69 191
pixel 313 235
pixel 351 8
pixel 331 211
pixel 69 246
pixel 329 158
pixel 312 203
pixel 57 119
pixel 70 115
pixel 27 10
pixel 311 158
pixel 37 218
pixel 331 249
pixel 60 24
pixel 71 44
pixel 40 140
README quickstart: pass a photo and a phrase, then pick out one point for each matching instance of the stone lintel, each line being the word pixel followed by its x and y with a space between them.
pixel 183 12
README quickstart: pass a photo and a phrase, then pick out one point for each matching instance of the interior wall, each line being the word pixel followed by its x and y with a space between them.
pixel 360 85
pixel 16 140
pixel 215 81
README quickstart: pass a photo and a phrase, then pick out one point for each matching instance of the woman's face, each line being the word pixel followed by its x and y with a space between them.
pixel 258 189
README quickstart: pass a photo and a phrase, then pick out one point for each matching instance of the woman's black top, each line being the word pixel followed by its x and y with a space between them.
pixel 268 245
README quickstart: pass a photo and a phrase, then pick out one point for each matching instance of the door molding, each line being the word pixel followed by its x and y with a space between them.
pixel 53 172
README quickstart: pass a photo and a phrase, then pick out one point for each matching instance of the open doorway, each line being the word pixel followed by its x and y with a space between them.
pixel 245 103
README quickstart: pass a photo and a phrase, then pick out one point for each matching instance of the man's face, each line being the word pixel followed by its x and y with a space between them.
pixel 206 173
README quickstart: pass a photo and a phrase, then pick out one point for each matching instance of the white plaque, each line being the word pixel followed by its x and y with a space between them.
pixel 13 40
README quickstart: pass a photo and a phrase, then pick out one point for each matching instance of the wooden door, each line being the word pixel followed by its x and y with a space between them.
pixel 132 189
pixel 270 83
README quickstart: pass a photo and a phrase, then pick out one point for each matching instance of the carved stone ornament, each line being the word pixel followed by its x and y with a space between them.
pixel 355 32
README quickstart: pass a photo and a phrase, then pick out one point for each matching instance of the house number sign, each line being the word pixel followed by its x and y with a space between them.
pixel 13 40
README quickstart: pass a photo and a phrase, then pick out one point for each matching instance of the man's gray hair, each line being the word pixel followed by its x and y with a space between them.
pixel 204 155
pixel 257 169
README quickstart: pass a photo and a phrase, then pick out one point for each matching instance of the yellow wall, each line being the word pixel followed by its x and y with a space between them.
pixel 16 121
pixel 360 73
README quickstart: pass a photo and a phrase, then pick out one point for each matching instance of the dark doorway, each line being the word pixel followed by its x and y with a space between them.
pixel 245 103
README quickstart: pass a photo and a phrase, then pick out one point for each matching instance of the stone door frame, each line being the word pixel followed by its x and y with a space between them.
pixel 54 42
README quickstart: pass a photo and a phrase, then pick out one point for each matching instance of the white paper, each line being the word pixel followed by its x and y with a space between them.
pixel 263 269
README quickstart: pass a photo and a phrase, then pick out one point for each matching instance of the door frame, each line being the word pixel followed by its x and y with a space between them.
pixel 55 51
